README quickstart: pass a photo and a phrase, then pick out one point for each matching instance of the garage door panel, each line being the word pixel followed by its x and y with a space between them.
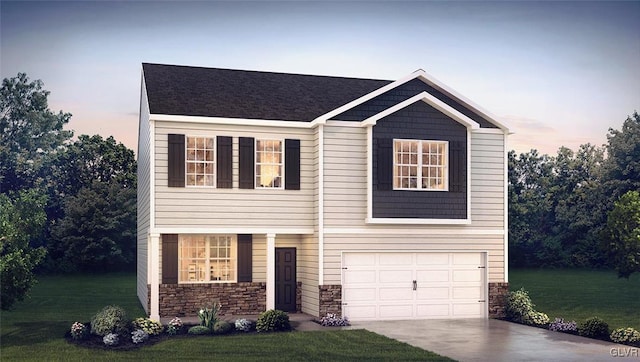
pixel 412 285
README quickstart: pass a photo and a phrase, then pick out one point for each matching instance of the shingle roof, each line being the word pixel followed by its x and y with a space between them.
pixel 214 92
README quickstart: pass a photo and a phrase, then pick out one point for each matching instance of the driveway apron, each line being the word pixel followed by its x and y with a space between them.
pixel 496 340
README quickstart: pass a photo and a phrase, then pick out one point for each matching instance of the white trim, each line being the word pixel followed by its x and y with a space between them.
pixel 233 230
pixel 255 163
pixel 468 174
pixel 205 162
pixel 320 204
pixel 420 165
pixel 271 271
pixel 489 131
pixel 152 175
pixel 431 100
pixel 232 121
pixel 414 231
pixel 369 172
pixel 154 310
pixel 506 210
pixel 405 221
pixel 355 124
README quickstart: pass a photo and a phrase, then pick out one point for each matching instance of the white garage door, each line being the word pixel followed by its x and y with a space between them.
pixel 379 286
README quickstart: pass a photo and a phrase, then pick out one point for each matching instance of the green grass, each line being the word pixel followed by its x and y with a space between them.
pixel 35 329
pixel 580 294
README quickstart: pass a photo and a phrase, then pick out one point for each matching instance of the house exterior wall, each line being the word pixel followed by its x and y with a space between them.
pixel 143 199
pixel 213 207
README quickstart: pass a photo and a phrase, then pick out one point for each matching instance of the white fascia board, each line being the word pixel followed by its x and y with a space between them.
pixel 431 80
pixel 431 100
pixel 467 231
pixel 233 230
pixel 327 116
pixel 399 221
pixel 231 121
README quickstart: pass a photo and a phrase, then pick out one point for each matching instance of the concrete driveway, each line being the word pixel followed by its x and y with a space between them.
pixel 496 340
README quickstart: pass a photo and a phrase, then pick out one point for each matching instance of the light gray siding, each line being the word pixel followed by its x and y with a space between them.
pixel 211 207
pixel 143 198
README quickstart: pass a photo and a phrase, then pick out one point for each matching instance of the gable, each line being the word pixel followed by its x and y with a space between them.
pixel 214 92
pixel 401 93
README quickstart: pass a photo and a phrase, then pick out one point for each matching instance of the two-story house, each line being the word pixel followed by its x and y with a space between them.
pixel 373 199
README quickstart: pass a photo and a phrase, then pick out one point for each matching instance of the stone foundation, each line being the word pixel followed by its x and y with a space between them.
pixel 298 297
pixel 330 299
pixel 498 299
pixel 179 300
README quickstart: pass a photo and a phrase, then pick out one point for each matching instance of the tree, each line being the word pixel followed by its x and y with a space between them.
pixel 29 131
pixel 622 234
pixel 622 166
pixel 98 230
pixel 21 219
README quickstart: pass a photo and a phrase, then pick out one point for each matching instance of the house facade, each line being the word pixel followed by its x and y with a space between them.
pixel 372 199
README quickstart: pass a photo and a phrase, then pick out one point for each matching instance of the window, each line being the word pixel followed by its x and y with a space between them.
pixel 420 165
pixel 200 161
pixel 269 164
pixel 207 258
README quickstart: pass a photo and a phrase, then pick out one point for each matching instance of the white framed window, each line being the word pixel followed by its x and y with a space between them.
pixel 269 163
pixel 420 165
pixel 200 161
pixel 207 258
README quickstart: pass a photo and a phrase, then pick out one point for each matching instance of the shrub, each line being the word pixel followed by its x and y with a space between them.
pixel 273 320
pixel 79 331
pixel 111 319
pixel 150 326
pixel 594 327
pixel 559 325
pixel 209 315
pixel 139 336
pixel 519 306
pixel 332 320
pixel 625 335
pixel 244 325
pixel 111 339
pixel 175 326
pixel 537 319
pixel 199 330
pixel 222 327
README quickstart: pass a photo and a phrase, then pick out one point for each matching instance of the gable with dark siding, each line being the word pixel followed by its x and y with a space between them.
pixel 420 121
pixel 402 93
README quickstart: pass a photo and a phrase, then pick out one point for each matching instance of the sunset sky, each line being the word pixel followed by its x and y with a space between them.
pixel 557 73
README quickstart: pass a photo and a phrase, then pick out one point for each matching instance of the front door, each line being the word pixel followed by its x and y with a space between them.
pixel 286 279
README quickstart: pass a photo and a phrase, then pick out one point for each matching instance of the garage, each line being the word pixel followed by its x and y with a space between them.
pixel 416 285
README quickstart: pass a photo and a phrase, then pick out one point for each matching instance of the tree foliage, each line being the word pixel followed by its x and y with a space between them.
pixel 29 131
pixel 622 234
pixel 22 218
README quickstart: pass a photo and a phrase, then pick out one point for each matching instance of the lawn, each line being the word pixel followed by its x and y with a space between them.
pixel 35 329
pixel 580 294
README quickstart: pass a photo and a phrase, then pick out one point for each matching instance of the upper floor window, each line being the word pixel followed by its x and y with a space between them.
pixel 269 163
pixel 207 258
pixel 200 161
pixel 420 165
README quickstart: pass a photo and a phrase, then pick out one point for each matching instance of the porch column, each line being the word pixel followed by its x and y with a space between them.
pixel 271 271
pixel 154 276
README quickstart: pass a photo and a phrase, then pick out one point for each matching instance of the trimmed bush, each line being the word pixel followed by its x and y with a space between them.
pixel 139 336
pixel 625 335
pixel 594 327
pixel 111 319
pixel 152 327
pixel 222 327
pixel 273 320
pixel 111 339
pixel 244 325
pixel 79 331
pixel 199 330
pixel 520 309
pixel 174 327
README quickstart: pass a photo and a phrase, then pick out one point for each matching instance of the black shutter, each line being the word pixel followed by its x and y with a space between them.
pixel 169 258
pixel 223 162
pixel 244 257
pixel 292 164
pixel 176 160
pixel 247 164
pixel 457 166
pixel 385 164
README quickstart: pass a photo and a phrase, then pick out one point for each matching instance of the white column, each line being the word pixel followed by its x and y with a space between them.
pixel 154 277
pixel 271 271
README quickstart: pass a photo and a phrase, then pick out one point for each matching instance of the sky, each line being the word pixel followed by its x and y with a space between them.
pixel 556 73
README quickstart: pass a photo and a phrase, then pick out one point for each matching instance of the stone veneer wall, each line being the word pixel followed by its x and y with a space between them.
pixel 330 299
pixel 498 299
pixel 236 298
pixel 298 297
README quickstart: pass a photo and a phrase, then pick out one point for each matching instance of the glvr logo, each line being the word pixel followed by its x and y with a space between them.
pixel 624 352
